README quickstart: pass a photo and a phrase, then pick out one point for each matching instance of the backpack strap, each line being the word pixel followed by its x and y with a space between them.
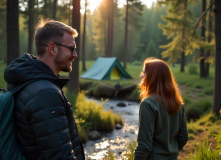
pixel 3 89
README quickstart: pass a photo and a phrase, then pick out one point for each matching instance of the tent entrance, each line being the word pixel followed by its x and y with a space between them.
pixel 115 75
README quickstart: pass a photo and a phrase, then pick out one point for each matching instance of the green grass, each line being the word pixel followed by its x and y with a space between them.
pixel 205 152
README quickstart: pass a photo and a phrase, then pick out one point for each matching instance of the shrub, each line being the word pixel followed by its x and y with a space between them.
pixel 218 139
pixel 208 91
pixel 191 136
pixel 212 131
pixel 72 96
pixel 134 95
pixel 192 68
pixel 131 147
pixel 198 108
pixel 137 63
pixel 186 100
pixel 110 155
pixel 82 131
pixel 94 116
pixel 193 128
pixel 205 152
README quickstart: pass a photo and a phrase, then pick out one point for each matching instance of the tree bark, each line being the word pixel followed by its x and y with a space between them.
pixel 202 50
pixel 110 28
pixel 217 83
pixel 182 65
pixel 54 9
pixel 12 30
pixel 125 36
pixel 210 26
pixel 30 25
pixel 84 38
pixel 73 84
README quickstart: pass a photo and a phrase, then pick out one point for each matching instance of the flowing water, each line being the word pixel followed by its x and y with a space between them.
pixel 116 141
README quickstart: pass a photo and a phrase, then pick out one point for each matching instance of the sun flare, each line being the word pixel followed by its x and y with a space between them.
pixel 93 4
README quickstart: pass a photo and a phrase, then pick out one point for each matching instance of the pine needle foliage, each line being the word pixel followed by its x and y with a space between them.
pixel 178 27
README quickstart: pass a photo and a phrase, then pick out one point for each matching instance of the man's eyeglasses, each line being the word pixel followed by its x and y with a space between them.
pixel 72 49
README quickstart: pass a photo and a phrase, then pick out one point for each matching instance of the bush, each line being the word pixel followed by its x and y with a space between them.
pixel 193 128
pixel 134 96
pixel 205 152
pixel 94 116
pixel 110 155
pixel 130 149
pixel 218 139
pixel 192 68
pixel 186 100
pixel 82 131
pixel 208 91
pixel 198 108
pixel 137 63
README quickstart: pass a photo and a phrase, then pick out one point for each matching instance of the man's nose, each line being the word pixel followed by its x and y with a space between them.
pixel 74 55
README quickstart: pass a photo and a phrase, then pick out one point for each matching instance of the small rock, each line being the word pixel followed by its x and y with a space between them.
pixel 118 126
pixel 132 132
pixel 112 107
pixel 94 135
pixel 121 104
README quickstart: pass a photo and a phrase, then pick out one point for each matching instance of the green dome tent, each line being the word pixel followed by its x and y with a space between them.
pixel 106 69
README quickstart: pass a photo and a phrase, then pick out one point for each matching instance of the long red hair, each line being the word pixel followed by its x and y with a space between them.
pixel 158 81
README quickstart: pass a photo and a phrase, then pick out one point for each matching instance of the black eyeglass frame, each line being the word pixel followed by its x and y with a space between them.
pixel 72 49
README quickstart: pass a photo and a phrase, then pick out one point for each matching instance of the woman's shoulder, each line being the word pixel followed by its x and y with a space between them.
pixel 151 100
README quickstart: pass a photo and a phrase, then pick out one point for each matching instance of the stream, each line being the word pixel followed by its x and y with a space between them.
pixel 116 141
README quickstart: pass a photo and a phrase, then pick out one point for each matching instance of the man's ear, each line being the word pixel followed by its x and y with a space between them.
pixel 52 48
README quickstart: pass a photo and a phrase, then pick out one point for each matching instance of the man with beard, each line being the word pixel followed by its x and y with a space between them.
pixel 44 122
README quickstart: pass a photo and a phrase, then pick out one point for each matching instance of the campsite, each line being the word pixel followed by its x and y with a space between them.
pixel 105 43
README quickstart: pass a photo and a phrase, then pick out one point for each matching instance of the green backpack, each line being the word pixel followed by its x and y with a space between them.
pixel 9 149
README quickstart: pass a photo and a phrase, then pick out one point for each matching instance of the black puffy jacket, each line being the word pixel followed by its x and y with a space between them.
pixel 45 126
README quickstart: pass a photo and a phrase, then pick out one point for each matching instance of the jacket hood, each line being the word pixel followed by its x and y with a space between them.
pixel 27 69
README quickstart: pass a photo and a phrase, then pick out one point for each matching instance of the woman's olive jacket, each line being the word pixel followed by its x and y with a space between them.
pixel 44 122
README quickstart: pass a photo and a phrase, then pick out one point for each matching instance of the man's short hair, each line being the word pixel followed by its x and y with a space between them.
pixel 50 31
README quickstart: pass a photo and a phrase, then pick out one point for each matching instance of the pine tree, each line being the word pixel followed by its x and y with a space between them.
pixel 179 20
pixel 135 26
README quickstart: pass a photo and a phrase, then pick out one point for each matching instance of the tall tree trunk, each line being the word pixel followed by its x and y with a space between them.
pixel 125 36
pixel 202 50
pixel 30 25
pixel 84 38
pixel 106 39
pixel 54 9
pixel 182 65
pixel 110 28
pixel 73 84
pixel 210 25
pixel 45 8
pixel 12 30
pixel 217 85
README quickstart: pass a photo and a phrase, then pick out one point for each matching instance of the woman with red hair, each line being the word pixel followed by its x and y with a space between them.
pixel 162 124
